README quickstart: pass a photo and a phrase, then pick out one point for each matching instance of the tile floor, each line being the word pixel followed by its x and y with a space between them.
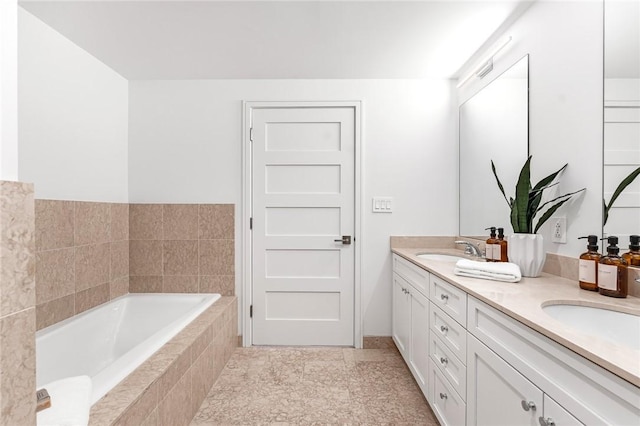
pixel 294 386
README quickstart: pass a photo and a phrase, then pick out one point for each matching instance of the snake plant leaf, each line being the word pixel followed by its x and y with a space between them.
pixel 514 217
pixel 549 213
pixel 559 198
pixel 493 169
pixel 623 185
pixel 546 181
pixel 522 196
pixel 605 213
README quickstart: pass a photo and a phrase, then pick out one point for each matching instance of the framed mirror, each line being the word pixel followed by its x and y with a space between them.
pixel 494 125
pixel 621 115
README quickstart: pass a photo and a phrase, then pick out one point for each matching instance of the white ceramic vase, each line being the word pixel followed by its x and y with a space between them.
pixel 527 251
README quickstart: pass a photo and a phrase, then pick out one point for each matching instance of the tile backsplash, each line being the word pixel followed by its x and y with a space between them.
pixel 82 257
pixel 88 253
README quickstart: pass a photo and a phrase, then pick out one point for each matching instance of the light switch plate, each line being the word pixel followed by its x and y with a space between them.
pixel 382 205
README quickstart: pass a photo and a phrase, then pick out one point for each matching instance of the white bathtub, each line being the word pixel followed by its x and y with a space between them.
pixel 109 341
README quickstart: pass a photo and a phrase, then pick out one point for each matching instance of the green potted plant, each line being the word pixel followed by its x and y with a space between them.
pixel 526 246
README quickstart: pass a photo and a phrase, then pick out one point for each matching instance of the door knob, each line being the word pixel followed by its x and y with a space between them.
pixel 528 405
pixel 346 240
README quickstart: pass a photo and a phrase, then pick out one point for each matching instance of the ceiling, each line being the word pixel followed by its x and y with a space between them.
pixel 147 40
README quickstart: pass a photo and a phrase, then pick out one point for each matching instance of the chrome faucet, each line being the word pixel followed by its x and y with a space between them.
pixel 471 249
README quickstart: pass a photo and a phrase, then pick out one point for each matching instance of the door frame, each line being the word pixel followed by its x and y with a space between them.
pixel 247 198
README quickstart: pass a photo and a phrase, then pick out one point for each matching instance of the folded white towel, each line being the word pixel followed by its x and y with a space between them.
pixel 70 402
pixel 498 271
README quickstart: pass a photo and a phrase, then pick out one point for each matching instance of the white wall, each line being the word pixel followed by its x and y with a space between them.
pixel 185 146
pixel 564 41
pixel 9 90
pixel 72 118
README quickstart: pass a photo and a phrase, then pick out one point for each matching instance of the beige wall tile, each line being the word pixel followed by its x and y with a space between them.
pixel 202 377
pixel 55 311
pixel 142 408
pixel 118 287
pixel 152 420
pixel 180 221
pixel 176 408
pixel 145 284
pixel 217 257
pixel 202 341
pixel 222 284
pixel 145 221
pixel 119 222
pixel 93 264
pixel 119 259
pixel 17 247
pixel 55 274
pixel 54 224
pixel 145 258
pixel 180 284
pixel 92 297
pixel 176 370
pixel 93 223
pixel 18 366
pixel 216 221
pixel 180 257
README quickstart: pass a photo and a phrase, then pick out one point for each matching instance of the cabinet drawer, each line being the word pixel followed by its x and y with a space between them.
pixel 417 277
pixel 452 334
pixel 448 364
pixel 556 415
pixel 449 298
pixel 445 401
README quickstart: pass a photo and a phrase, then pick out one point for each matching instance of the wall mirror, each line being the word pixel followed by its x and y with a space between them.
pixel 621 115
pixel 494 125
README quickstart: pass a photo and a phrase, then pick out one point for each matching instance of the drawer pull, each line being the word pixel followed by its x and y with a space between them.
pixel 528 405
pixel 443 395
pixel 546 422
pixel 444 328
pixel 443 360
pixel 444 297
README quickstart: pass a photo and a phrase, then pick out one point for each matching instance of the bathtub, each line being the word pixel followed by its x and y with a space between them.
pixel 109 341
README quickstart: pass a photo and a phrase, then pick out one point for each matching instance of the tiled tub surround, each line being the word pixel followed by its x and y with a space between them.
pixel 17 304
pixel 82 257
pixel 170 386
pixel 523 302
pixel 184 248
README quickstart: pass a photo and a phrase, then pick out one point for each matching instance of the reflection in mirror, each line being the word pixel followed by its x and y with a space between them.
pixel 494 125
pixel 622 115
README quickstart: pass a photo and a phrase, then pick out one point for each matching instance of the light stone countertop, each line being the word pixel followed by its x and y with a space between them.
pixel 523 302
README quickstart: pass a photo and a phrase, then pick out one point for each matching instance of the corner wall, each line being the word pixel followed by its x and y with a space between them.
pixel 73 118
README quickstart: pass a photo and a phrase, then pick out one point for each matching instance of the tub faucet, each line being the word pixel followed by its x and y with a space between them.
pixel 471 249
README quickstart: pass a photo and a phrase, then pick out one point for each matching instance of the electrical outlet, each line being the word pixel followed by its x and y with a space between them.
pixel 559 230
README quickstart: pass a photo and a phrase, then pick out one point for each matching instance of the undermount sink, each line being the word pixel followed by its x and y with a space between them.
pixel 617 327
pixel 440 257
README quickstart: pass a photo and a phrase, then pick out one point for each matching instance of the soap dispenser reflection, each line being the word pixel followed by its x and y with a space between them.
pixel 612 271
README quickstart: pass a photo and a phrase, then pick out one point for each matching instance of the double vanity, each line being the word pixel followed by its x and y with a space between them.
pixel 540 351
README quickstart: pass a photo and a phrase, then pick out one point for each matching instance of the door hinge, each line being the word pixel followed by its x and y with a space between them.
pixel 250 223
pixel 250 134
pixel 251 311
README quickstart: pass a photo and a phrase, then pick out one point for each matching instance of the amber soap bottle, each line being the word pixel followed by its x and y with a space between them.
pixel 633 255
pixel 503 246
pixel 588 268
pixel 492 246
pixel 612 272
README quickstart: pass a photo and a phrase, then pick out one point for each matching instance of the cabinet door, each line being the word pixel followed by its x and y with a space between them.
pixel 496 393
pixel 556 415
pixel 401 324
pixel 419 346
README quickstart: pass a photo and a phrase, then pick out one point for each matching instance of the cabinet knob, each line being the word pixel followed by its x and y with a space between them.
pixel 443 360
pixel 444 297
pixel 443 395
pixel 528 405
pixel 444 328
pixel 546 422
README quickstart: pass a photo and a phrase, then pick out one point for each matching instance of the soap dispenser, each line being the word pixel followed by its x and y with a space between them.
pixel 492 246
pixel 588 267
pixel 633 255
pixel 612 271
pixel 503 246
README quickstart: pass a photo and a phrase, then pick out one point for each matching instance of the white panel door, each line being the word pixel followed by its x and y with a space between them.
pixel 303 200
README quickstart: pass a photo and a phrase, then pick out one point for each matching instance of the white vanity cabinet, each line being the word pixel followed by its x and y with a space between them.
pixel 410 325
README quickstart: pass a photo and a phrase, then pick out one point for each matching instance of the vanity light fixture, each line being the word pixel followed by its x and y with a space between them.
pixel 487 64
